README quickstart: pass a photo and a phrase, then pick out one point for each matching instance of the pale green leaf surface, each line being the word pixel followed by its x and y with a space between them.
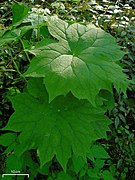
pixel 84 61
pixel 41 45
pixel 64 126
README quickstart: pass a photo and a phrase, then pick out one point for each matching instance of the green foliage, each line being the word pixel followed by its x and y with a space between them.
pixel 18 17
pixel 64 126
pixel 52 132
pixel 7 139
pixel 84 49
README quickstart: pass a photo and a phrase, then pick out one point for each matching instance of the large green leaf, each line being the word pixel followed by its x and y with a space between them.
pixel 64 126
pixel 83 61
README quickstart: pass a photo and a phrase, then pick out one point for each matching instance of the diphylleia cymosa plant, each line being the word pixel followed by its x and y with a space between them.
pixel 60 112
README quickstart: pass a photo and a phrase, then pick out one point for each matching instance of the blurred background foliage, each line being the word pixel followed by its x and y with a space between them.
pixel 115 17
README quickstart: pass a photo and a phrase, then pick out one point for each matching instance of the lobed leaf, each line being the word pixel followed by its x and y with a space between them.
pixel 83 61
pixel 64 126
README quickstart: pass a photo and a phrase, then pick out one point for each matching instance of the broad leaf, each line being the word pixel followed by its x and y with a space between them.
pixel 78 164
pixel 13 163
pixel 93 174
pixel 64 126
pixel 7 139
pixel 99 152
pixel 83 61
pixel 20 11
pixel 107 99
pixel 107 175
pixel 15 34
pixel 62 175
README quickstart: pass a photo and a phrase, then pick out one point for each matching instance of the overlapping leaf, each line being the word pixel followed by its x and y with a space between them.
pixel 83 61
pixel 20 11
pixel 15 34
pixel 59 128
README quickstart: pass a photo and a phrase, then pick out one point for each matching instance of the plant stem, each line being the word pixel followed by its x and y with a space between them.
pixel 38 28
pixel 24 49
pixel 17 69
pixel 14 62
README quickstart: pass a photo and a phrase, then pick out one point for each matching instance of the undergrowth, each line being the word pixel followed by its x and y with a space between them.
pixel 36 35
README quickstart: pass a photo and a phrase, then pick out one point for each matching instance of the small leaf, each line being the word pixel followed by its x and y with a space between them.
pixel 82 172
pixel 107 175
pixel 33 167
pixel 108 99
pixel 122 117
pixel 78 163
pixel 99 152
pixel 90 156
pixel 14 34
pixel 99 163
pixel 117 122
pixel 63 176
pixel 10 148
pixel 45 169
pixel 20 11
pixel 7 139
pixel 13 163
pixel 93 174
